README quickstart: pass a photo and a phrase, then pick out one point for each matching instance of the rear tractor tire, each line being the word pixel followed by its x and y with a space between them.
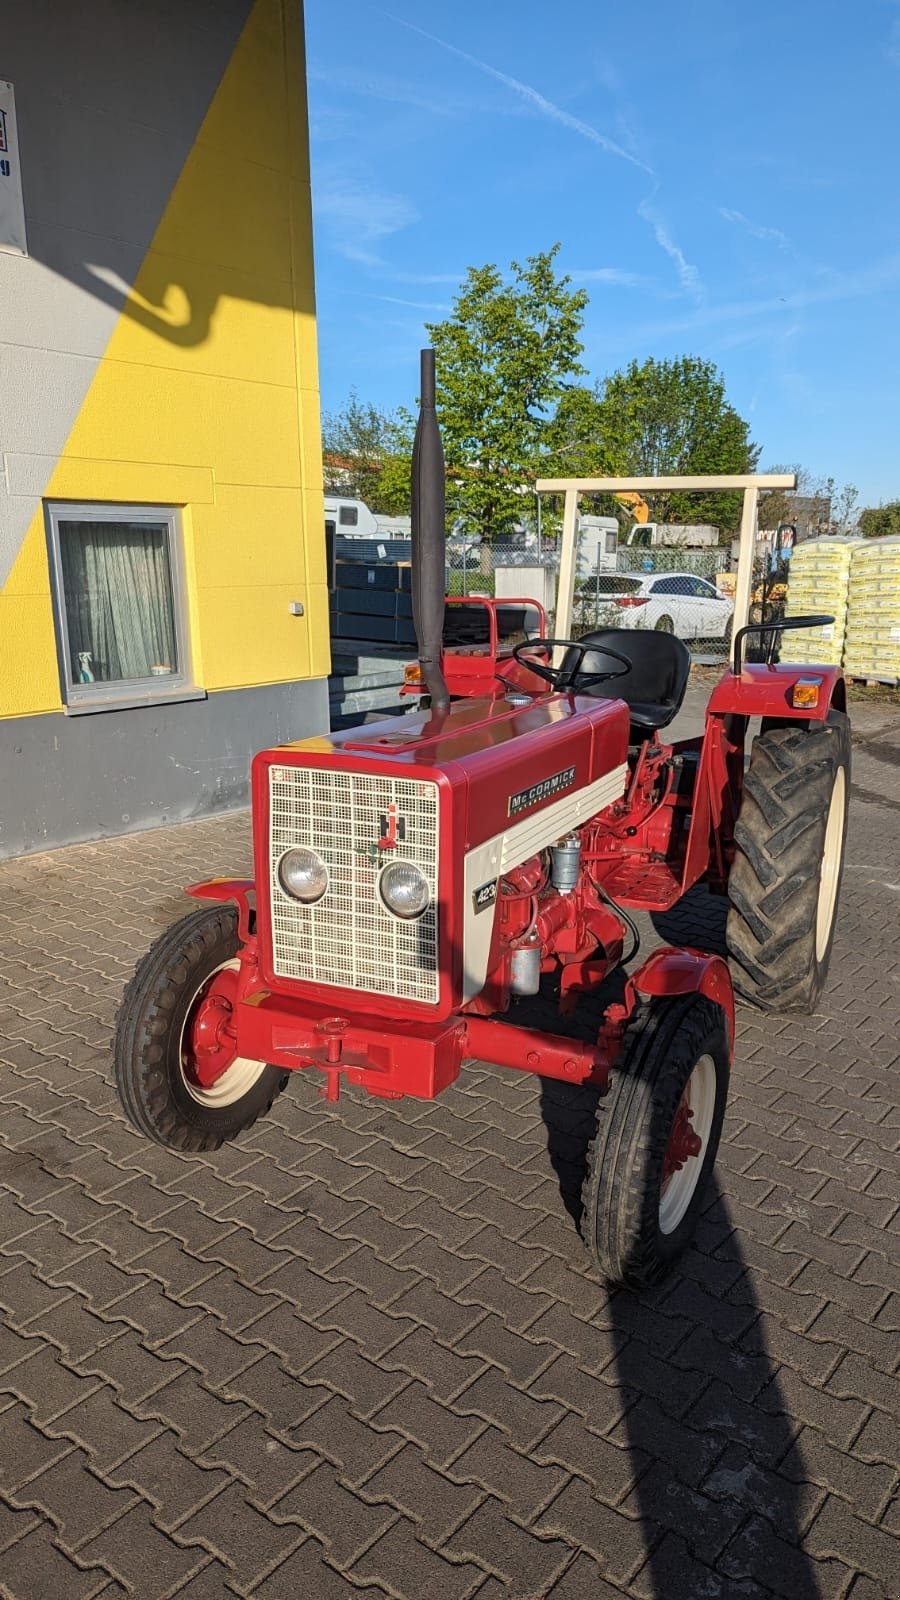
pixel 176 1071
pixel 786 877
pixel 657 1136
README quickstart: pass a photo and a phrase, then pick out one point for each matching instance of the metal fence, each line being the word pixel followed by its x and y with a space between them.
pixel 685 592
pixel 668 588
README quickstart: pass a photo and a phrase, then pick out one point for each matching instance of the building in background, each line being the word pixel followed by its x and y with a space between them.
pixel 163 598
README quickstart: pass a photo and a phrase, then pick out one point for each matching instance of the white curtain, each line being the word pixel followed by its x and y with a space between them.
pixel 118 594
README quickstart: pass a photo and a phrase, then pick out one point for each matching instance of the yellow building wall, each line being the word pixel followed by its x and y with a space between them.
pixel 207 397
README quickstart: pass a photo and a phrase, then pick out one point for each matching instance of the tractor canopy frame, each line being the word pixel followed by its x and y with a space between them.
pixel 749 482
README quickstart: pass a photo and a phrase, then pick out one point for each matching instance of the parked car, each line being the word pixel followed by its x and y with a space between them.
pixel 671 602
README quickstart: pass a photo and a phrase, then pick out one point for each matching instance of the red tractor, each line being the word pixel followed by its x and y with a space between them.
pixel 414 878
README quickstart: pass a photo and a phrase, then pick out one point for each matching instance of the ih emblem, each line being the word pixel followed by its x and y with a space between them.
pixel 393 828
pixel 391 832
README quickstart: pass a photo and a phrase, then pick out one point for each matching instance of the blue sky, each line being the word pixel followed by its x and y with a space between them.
pixel 723 178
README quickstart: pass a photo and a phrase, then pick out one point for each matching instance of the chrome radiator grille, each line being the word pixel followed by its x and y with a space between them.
pixel 349 938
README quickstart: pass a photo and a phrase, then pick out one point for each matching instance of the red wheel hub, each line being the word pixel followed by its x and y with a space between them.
pixel 684 1143
pixel 210 1041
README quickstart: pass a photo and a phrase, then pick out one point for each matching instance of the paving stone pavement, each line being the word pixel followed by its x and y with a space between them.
pixel 360 1352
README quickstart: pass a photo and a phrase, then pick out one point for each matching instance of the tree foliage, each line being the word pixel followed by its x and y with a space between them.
pixel 367 455
pixel 880 522
pixel 504 358
pixel 658 418
pixel 573 439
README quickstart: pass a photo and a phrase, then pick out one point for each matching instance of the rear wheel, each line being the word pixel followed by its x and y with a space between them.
pixel 175 1062
pixel 664 625
pixel 786 876
pixel 657 1137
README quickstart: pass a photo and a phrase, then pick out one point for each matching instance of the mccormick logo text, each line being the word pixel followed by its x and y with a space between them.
pixel 526 798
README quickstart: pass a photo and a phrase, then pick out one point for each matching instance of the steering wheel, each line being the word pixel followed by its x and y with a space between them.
pixel 563 678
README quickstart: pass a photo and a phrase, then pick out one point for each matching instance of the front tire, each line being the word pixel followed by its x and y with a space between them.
pixel 178 1079
pixel 657 1137
pixel 785 880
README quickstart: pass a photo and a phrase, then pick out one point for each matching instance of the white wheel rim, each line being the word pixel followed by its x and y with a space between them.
pixel 237 1079
pixel 831 864
pixel 677 1191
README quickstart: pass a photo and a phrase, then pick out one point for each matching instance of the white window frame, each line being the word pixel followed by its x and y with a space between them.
pixel 120 694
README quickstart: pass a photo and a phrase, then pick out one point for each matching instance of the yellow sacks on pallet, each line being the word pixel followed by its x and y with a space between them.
pixel 872 643
pixel 818 581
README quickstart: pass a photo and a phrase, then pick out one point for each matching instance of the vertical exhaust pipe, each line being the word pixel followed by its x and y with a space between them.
pixel 428 538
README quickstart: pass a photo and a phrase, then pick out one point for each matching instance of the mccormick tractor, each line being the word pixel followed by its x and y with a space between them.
pixel 415 877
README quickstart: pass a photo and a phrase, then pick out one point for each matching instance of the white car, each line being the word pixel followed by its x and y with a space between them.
pixel 672 602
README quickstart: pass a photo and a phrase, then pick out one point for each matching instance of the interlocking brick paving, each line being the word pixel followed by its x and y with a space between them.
pixel 361 1351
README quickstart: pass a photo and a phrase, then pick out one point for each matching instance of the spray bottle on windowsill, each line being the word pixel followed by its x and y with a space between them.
pixel 85 675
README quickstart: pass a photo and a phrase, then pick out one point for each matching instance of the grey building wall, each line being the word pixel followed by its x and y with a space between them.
pixel 64 780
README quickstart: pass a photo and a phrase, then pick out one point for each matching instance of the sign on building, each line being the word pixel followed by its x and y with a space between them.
pixel 12 211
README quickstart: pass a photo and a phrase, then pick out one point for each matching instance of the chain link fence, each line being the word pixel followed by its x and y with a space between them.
pixel 687 592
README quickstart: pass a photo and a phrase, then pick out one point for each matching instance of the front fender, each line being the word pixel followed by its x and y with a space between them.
pixel 669 972
pixel 225 889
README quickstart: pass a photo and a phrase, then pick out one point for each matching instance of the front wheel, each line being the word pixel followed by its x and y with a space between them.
pixel 657 1137
pixel 175 1063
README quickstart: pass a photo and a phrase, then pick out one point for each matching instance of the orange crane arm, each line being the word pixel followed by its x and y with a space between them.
pixel 637 503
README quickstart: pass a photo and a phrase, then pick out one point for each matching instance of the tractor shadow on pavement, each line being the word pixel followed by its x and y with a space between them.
pixel 720 1490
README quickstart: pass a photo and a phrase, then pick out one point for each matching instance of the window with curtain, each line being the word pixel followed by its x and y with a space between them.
pixel 118 601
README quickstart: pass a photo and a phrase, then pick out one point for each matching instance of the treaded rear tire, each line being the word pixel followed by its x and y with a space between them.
pixel 777 961
pixel 147 1066
pixel 621 1222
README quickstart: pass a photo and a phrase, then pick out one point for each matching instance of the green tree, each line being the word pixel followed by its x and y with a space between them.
pixel 574 445
pixel 367 453
pixel 879 522
pixel 505 357
pixel 664 417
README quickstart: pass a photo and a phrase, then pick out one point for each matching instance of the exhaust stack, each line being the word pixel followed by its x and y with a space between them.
pixel 428 538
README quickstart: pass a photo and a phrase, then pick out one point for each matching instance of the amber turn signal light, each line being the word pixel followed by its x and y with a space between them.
pixel 805 695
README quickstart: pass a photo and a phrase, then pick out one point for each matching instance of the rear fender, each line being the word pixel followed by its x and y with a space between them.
pixel 237 890
pixel 669 972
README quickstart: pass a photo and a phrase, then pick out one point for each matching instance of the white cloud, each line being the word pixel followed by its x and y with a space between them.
pixel 688 274
pixel 395 91
pixel 616 275
pixel 533 97
pixel 756 229
pixel 873 279
pixel 359 218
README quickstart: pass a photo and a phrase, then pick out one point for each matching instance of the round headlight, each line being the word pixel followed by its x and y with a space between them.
pixel 303 875
pixel 404 889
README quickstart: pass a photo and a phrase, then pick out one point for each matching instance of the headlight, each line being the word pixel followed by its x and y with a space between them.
pixel 404 889
pixel 303 875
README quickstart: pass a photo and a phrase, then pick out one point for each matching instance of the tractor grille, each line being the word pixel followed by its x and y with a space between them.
pixel 349 938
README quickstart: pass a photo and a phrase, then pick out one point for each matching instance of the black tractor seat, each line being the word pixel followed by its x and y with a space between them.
pixel 654 688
